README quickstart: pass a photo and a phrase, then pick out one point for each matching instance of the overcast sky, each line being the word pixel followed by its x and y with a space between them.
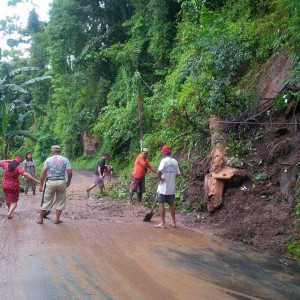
pixel 22 10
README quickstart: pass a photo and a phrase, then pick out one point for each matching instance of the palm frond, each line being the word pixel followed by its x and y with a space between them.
pixel 14 87
pixel 24 133
pixel 36 79
pixel 22 70
pixel 24 116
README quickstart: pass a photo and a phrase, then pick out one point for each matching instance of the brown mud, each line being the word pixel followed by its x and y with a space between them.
pixel 259 211
pixel 103 250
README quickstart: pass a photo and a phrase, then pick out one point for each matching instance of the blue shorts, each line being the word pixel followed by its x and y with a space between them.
pixel 161 198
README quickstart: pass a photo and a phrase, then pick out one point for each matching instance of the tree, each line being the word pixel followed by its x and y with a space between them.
pixel 14 109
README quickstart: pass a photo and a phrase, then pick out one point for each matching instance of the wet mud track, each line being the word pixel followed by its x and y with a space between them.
pixel 102 252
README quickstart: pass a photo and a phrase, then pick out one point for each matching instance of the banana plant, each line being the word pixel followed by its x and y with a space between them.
pixel 13 109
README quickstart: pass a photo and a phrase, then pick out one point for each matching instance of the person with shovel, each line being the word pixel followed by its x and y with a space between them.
pixel 137 183
pixel 167 171
pixel 53 173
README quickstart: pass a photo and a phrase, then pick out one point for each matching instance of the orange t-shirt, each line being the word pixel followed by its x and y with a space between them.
pixel 140 167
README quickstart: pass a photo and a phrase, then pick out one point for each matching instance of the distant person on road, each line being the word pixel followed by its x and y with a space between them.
pixel 99 174
pixel 28 165
pixel 137 183
pixel 10 184
pixel 109 172
pixel 53 174
pixel 167 171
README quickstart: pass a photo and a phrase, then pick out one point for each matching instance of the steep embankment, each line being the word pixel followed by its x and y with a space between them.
pixel 259 211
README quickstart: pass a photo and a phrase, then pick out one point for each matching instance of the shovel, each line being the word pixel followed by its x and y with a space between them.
pixel 149 215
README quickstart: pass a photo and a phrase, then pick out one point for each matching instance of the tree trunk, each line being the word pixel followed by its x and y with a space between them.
pixel 218 172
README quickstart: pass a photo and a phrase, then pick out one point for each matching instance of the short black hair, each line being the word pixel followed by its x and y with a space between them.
pixel 105 154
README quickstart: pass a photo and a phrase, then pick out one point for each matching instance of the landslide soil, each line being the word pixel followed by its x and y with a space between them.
pixel 258 211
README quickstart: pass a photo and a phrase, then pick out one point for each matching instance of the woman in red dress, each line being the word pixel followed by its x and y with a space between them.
pixel 10 184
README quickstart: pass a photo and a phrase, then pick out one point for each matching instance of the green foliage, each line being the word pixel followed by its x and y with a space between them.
pixel 282 101
pixel 260 176
pixel 15 111
pixel 293 248
pixel 88 162
pixel 237 147
pixel 190 60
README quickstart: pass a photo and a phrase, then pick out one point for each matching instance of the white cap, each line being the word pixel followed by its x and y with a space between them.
pixel 144 150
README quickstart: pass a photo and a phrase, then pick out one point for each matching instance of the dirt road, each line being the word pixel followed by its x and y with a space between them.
pixel 103 250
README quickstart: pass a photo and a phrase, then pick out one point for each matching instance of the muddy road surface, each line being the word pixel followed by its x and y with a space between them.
pixel 103 250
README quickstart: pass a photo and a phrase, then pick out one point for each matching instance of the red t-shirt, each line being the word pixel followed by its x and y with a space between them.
pixel 141 166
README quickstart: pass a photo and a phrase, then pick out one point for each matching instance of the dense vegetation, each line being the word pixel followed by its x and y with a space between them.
pixel 188 60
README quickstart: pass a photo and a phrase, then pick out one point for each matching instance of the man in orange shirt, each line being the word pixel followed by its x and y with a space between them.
pixel 137 183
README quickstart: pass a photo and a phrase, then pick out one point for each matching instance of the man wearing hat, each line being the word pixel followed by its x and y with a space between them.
pixel 137 183
pixel 167 171
pixel 54 172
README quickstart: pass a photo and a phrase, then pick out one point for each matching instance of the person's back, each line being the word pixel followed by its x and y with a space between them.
pixel 109 171
pixel 56 166
pixel 12 176
pixel 169 169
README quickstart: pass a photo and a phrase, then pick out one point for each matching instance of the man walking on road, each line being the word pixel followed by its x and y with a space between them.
pixel 55 168
pixel 167 171
pixel 137 183
pixel 99 174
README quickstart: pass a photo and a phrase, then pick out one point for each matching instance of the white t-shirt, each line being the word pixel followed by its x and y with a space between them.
pixel 169 168
pixel 57 165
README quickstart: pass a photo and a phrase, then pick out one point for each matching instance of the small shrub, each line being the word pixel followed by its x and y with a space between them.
pixel 236 147
pixel 293 248
pixel 281 102
pixel 261 176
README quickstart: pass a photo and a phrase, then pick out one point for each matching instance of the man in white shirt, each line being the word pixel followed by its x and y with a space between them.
pixel 167 172
pixel 55 169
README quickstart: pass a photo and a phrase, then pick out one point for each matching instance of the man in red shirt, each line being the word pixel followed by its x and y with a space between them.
pixel 137 183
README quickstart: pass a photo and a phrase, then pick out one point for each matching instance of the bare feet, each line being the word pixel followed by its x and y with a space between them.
pixel 57 221
pixel 173 225
pixel 160 226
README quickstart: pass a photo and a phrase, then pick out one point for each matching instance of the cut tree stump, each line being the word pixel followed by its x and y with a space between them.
pixel 214 182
